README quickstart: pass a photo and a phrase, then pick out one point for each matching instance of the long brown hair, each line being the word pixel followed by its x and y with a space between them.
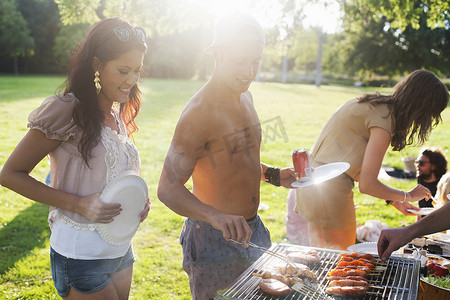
pixel 415 106
pixel 100 43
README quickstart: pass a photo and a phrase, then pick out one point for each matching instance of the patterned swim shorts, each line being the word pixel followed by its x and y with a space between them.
pixel 213 263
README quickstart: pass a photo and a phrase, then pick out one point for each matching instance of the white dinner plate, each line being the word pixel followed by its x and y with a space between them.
pixel 440 237
pixel 323 173
pixel 371 248
pixel 131 192
pixel 366 248
pixel 423 211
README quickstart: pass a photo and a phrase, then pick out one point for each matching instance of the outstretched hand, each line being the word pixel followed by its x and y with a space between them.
pixel 390 240
pixel 403 207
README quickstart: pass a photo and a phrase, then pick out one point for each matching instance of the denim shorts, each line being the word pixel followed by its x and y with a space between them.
pixel 85 276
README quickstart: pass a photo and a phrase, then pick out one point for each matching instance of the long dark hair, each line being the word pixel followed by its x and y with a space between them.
pixel 415 105
pixel 100 43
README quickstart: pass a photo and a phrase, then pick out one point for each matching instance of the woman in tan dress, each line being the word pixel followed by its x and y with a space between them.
pixel 360 132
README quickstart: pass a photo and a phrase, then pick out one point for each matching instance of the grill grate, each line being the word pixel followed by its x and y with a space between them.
pixel 398 281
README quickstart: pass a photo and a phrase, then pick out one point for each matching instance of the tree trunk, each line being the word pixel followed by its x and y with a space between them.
pixel 99 11
pixel 319 62
pixel 16 66
pixel 284 69
pixel 284 65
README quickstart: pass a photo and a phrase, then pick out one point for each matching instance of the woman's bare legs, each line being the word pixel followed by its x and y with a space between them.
pixel 117 289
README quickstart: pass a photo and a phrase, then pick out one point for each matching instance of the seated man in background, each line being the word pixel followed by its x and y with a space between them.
pixel 431 164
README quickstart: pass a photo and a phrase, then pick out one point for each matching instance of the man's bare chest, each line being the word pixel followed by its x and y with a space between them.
pixel 234 143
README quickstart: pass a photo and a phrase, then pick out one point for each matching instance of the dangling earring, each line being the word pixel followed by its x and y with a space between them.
pixel 97 82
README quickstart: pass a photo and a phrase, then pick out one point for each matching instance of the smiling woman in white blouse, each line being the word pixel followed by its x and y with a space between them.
pixel 86 131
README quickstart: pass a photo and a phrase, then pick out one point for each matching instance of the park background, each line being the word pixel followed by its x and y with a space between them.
pixel 319 54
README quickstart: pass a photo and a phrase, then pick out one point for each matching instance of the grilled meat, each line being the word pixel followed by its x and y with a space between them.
pixel 274 287
pixel 348 282
pixel 353 291
pixel 300 270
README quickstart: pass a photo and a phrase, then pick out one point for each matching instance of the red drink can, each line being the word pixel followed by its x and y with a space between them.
pixel 300 159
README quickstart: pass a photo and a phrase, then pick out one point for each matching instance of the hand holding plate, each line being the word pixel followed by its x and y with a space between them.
pixel 287 177
pixel 132 193
pixel 98 211
pixel 144 213
pixel 323 173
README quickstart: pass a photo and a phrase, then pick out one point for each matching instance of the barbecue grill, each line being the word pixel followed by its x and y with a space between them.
pixel 398 278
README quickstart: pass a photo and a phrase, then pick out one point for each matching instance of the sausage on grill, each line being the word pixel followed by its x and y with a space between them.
pixel 348 282
pixel 286 279
pixel 356 263
pixel 274 287
pixel 362 268
pixel 331 278
pixel 349 276
pixel 350 259
pixel 369 257
pixel 347 290
pixel 347 272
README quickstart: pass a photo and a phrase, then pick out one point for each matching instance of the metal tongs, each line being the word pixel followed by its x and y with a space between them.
pixel 277 255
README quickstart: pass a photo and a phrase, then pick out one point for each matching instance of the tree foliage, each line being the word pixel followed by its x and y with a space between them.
pixel 42 17
pixel 376 45
pixel 175 30
pixel 370 50
pixel 406 12
pixel 68 38
pixel 15 38
pixel 80 11
pixel 158 17
pixel 379 36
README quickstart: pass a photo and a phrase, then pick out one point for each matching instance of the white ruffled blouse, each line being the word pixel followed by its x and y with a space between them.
pixel 73 235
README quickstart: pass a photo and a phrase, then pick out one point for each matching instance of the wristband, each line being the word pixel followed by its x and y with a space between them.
pixel 272 176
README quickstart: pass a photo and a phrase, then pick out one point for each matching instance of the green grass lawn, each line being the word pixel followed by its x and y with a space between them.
pixel 301 110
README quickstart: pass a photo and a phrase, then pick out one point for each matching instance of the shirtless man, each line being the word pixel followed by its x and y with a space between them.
pixel 217 142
